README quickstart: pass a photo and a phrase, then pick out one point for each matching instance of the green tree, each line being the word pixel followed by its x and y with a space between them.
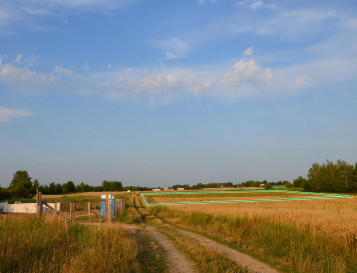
pixel 71 186
pixel 21 185
pixel 4 194
pixel 299 182
pixel 112 185
pixel 35 186
pixel 68 187
pixel 332 177
pixel 199 186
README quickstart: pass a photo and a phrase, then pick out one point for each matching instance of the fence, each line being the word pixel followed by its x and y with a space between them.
pixel 108 206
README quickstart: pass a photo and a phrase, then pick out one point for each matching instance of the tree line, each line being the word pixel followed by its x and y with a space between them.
pixel 326 177
pixel 22 186
pixel 332 177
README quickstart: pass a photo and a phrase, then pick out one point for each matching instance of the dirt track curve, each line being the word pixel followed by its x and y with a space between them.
pixel 249 263
pixel 178 262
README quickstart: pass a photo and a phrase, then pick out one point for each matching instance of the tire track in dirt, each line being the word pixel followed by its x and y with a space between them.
pixel 177 261
pixel 249 263
pixel 244 260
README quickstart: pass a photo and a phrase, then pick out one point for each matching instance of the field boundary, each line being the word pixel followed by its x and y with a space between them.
pixel 316 195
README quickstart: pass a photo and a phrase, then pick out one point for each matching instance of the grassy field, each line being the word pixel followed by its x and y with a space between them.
pixel 46 244
pixel 300 236
pixel 177 197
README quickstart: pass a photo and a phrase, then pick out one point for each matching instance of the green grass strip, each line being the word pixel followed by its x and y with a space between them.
pixel 317 194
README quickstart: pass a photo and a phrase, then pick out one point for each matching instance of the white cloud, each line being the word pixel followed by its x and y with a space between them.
pixel 18 58
pixel 260 4
pixel 301 81
pixel 202 2
pixel 253 5
pixel 249 51
pixel 23 77
pixel 247 76
pixel 173 48
pixel 25 11
pixel 65 71
pixel 8 115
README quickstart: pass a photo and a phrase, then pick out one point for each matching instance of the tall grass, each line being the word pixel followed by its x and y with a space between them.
pixel 278 243
pixel 31 244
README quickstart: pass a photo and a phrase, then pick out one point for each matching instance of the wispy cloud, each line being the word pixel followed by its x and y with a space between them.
pixel 249 51
pixel 253 5
pixel 17 76
pixel 8 115
pixel 301 81
pixel 13 11
pixel 173 48
pixel 246 77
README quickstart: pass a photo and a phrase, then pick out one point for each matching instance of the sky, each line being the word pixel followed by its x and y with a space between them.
pixel 157 93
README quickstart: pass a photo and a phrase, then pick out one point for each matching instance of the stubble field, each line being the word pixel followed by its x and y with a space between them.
pixel 299 236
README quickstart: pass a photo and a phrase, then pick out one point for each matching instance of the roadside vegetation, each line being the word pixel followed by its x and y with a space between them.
pixel 47 244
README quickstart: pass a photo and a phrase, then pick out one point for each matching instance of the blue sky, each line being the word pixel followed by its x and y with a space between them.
pixel 156 93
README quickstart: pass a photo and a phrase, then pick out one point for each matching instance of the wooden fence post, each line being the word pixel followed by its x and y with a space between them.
pixel 39 203
pixel 60 210
pixel 55 208
pixel 71 211
pixel 115 206
pixel 108 215
pixel 89 216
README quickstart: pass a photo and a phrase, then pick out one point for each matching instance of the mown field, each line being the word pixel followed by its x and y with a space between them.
pixel 184 197
pixel 297 236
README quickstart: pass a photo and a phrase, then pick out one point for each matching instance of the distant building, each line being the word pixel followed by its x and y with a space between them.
pixel 180 189
pixel 158 189
pixel 24 207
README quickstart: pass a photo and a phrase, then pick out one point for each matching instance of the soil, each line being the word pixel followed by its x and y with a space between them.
pixel 178 262
pixel 249 263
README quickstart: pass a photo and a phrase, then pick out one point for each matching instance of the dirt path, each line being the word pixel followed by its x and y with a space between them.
pixel 251 264
pixel 178 262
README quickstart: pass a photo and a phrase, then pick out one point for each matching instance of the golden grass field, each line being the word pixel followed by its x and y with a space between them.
pixel 301 236
pixel 336 217
pixel 175 198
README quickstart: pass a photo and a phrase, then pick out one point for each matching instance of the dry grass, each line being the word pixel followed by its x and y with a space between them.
pixel 152 199
pixel 302 236
pixel 336 218
pixel 205 258
pixel 31 244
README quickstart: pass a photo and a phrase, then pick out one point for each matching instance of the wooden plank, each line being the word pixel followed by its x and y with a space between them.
pixel 89 215
pixel 109 215
pixel 48 205
pixel 78 201
pixel 37 203
pixel 71 212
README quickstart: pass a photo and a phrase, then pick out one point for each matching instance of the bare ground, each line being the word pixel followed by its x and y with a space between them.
pixel 249 263
pixel 178 262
